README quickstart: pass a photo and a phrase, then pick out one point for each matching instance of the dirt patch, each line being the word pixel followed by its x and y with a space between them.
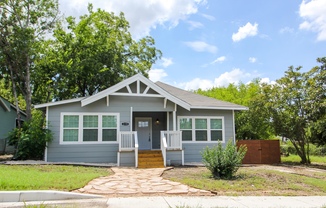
pixel 256 180
pixel 5 157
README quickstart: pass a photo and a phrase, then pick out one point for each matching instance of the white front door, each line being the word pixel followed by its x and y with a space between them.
pixel 144 131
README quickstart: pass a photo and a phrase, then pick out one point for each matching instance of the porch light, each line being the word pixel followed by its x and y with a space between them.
pixel 157 122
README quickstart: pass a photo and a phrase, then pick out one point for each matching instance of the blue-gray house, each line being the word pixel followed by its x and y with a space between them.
pixel 8 119
pixel 134 117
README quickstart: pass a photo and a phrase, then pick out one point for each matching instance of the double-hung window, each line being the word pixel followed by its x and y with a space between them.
pixel 89 127
pixel 201 129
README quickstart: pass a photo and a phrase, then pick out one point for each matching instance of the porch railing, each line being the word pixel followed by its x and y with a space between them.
pixel 163 147
pixel 173 139
pixel 128 141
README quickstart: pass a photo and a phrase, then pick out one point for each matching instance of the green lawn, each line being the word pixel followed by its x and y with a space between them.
pixel 47 177
pixel 296 159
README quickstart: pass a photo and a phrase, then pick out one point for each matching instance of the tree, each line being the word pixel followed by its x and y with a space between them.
pixel 94 54
pixel 250 124
pixel 316 84
pixel 296 104
pixel 23 25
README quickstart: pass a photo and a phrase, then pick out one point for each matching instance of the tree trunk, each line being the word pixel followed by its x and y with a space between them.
pixel 28 96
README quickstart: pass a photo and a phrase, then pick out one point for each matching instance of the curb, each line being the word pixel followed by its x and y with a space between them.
pixel 24 196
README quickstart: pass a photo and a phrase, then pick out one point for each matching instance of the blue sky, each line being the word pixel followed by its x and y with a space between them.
pixel 207 43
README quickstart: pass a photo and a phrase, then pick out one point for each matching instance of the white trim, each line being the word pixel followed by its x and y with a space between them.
pixel 138 87
pixel 137 77
pixel 219 108
pixel 129 90
pixel 168 120
pixel 107 101
pixel 131 112
pixel 59 102
pixel 146 90
pixel 174 120
pixel 193 129
pixel 47 126
pixel 118 159
pixel 80 128
pixel 182 157
pixel 136 95
pixel 233 123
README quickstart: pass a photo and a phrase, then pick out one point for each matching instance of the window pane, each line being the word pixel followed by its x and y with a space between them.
pixel 216 123
pixel 90 135
pixel 142 124
pixel 70 135
pixel 185 123
pixel 109 135
pixel 201 135
pixel 186 135
pixel 90 121
pixel 70 121
pixel 109 121
pixel 201 123
pixel 216 135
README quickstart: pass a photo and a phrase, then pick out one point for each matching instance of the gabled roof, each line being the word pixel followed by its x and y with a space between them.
pixel 136 78
pixel 197 101
pixel 143 87
pixel 4 104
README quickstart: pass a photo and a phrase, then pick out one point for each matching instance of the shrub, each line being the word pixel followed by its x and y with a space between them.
pixel 223 162
pixel 30 140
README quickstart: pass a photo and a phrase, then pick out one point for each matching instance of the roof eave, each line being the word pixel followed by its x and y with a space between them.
pixel 219 108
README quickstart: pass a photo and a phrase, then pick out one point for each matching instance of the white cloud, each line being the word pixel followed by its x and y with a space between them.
pixel 157 74
pixel 219 60
pixel 314 14
pixel 197 83
pixel 201 46
pixel 252 59
pixel 245 31
pixel 166 62
pixel 286 30
pixel 143 15
pixel 267 81
pixel 209 17
pixel 233 76
pixel 194 25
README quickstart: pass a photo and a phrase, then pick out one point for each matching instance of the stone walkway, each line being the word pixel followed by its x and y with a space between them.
pixel 138 182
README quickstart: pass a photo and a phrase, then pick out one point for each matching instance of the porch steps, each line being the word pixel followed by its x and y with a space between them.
pixel 150 159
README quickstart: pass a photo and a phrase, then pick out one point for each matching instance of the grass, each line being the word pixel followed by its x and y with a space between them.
pixel 256 180
pixel 47 177
pixel 296 159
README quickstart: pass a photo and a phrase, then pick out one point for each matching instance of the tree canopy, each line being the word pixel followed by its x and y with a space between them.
pixel 94 54
pixel 23 25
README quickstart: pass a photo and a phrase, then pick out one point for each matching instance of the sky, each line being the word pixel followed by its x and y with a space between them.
pixel 211 43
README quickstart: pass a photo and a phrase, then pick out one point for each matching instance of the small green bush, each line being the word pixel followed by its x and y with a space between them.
pixel 30 140
pixel 223 162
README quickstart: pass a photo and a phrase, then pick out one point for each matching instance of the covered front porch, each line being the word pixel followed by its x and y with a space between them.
pixel 131 154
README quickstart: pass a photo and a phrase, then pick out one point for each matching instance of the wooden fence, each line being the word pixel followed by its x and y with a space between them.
pixel 261 151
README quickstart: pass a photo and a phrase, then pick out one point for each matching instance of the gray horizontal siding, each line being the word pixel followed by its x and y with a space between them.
pixel 127 159
pixel 174 156
pixel 192 151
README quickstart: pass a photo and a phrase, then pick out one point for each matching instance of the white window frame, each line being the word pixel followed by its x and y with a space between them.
pixel 208 128
pixel 80 128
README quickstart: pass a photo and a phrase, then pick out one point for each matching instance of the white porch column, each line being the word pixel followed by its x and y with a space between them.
pixel 131 118
pixel 175 118
pixel 168 121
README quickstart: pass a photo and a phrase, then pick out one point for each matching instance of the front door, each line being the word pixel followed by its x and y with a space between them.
pixel 144 131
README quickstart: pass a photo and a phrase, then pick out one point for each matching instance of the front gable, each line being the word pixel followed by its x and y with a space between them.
pixel 138 86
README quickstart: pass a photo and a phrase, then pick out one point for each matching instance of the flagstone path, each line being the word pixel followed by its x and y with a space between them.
pixel 138 182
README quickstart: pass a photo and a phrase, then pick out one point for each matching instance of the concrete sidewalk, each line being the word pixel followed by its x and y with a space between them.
pixel 184 202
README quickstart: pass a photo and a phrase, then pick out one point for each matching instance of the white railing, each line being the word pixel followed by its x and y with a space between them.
pixel 173 139
pixel 163 147
pixel 136 150
pixel 128 141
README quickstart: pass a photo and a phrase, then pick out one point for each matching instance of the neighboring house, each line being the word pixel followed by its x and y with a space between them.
pixel 136 114
pixel 8 120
